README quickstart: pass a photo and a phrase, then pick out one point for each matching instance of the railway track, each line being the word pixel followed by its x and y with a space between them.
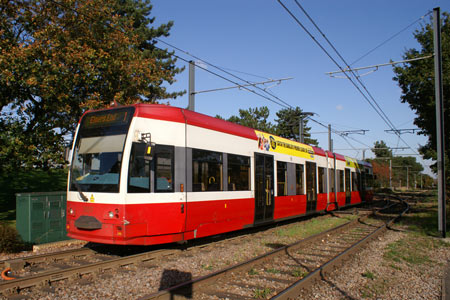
pixel 284 272
pixel 43 270
pixel 70 264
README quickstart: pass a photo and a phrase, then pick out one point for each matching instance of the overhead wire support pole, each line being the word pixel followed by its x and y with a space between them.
pixel 301 125
pixel 191 105
pixel 442 222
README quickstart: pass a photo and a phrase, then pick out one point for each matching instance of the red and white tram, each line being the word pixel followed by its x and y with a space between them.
pixel 149 174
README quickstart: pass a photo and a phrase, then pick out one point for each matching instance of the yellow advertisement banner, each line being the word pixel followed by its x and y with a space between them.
pixel 351 162
pixel 281 145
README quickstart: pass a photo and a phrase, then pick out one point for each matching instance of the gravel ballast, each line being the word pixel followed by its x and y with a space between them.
pixel 372 274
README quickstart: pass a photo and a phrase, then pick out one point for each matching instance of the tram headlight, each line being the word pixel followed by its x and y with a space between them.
pixel 111 214
pixel 71 211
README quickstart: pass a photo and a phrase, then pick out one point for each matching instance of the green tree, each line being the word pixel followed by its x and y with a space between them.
pixel 139 12
pixel 255 118
pixel 403 170
pixel 381 150
pixel 59 58
pixel 288 123
pixel 416 79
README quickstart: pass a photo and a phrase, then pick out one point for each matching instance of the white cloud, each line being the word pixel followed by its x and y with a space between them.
pixel 339 107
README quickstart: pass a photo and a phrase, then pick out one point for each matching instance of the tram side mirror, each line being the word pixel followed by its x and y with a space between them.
pixel 68 155
pixel 146 139
pixel 149 151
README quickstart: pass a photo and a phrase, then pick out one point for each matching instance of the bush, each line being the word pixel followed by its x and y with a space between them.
pixel 10 241
pixel 29 181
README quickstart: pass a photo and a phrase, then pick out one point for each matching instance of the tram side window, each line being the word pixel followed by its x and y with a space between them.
pixel 369 180
pixel 322 180
pixel 299 179
pixel 355 186
pixel 207 169
pixel 347 181
pixel 238 173
pixel 341 180
pixel 331 179
pixel 164 169
pixel 139 170
pixel 281 178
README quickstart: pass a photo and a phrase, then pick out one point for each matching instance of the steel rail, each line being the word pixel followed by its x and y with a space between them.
pixel 196 285
pixel 295 289
pixel 76 272
pixel 46 256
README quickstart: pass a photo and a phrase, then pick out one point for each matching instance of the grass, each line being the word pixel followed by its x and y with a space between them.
pixel 413 252
pixel 423 218
pixel 207 267
pixel 374 290
pixel 252 272
pixel 299 273
pixel 368 275
pixel 422 226
pixel 261 293
pixel 312 227
pixel 273 271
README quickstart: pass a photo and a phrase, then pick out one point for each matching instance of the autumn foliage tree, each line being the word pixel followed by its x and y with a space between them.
pixel 381 171
pixel 59 58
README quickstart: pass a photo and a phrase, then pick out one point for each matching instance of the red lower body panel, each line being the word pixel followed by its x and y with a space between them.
pixel 206 218
pixel 140 224
pixel 159 223
pixel 356 198
pixel 289 206
pixel 148 224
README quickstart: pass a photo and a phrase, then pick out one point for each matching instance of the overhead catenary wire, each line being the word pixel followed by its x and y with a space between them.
pixel 286 105
pixel 367 97
pixel 390 38
pixel 330 57
pixel 283 103
pixel 345 62
pixel 290 106
pixel 389 122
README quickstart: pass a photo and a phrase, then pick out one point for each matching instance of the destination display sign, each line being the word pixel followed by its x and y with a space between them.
pixel 110 118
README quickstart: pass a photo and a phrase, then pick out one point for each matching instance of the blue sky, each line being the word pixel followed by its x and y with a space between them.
pixel 259 37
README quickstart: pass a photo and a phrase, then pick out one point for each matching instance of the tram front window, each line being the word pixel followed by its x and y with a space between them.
pixel 96 164
pixel 98 151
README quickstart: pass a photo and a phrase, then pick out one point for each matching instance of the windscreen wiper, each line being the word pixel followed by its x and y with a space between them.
pixel 85 199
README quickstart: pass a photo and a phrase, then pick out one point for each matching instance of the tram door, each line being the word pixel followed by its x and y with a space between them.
pixel 311 187
pixel 348 193
pixel 362 184
pixel 264 191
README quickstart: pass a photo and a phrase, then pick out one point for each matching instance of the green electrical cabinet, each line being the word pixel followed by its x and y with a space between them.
pixel 41 217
